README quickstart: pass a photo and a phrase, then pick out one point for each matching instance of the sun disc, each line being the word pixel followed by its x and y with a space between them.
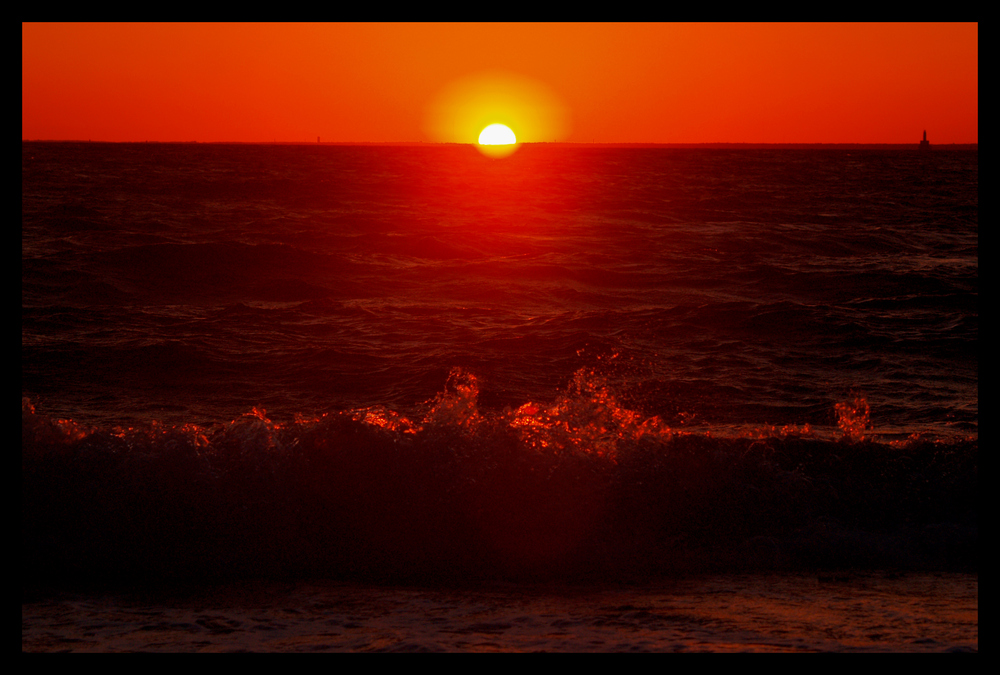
pixel 497 134
pixel 497 140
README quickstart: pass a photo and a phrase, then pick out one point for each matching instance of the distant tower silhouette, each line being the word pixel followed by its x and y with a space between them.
pixel 924 145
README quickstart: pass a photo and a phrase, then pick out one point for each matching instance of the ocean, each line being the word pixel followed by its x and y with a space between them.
pixel 418 367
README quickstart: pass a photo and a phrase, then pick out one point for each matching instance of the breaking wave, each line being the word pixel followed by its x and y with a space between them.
pixel 579 485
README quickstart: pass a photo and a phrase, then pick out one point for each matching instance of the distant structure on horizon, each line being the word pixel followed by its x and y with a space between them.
pixel 924 145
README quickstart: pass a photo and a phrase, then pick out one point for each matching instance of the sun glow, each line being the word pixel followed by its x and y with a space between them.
pixel 464 109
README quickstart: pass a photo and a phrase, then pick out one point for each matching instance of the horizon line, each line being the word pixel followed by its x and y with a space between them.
pixel 534 143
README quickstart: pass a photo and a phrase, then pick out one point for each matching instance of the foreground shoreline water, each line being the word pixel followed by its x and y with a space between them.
pixel 846 612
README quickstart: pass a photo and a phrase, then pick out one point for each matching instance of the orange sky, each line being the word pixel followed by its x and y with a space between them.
pixel 653 83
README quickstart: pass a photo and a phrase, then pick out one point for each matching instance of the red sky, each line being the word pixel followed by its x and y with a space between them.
pixel 625 83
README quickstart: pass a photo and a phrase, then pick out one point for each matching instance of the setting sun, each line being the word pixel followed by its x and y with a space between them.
pixel 497 140
pixel 497 134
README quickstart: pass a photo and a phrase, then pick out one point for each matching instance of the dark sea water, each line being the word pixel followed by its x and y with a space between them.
pixel 421 363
